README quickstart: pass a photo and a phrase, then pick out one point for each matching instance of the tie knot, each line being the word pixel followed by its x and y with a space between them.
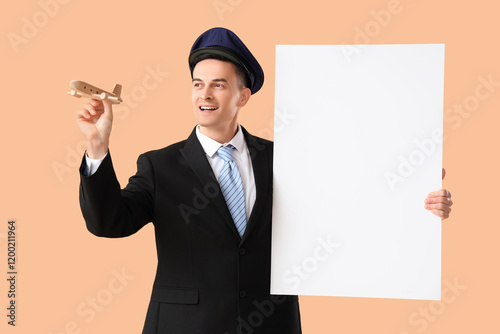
pixel 226 153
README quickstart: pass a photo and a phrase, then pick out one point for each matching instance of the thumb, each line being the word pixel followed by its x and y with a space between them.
pixel 108 109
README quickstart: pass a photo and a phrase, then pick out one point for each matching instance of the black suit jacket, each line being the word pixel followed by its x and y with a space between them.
pixel 209 279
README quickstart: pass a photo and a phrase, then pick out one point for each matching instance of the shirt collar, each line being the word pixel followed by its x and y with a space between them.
pixel 211 146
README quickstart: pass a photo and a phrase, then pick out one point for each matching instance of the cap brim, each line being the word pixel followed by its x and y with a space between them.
pixel 217 51
pixel 220 51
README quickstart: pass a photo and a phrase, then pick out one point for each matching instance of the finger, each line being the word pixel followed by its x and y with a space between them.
pixel 441 214
pixel 108 109
pixel 98 104
pixel 440 192
pixel 95 107
pixel 83 113
pixel 439 199
pixel 90 108
pixel 438 206
pixel 444 173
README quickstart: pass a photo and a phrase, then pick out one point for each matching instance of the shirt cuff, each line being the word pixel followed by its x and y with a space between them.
pixel 93 164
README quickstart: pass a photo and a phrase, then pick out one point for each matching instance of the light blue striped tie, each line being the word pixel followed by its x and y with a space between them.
pixel 232 188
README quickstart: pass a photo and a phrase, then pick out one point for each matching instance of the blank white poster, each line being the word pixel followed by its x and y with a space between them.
pixel 358 146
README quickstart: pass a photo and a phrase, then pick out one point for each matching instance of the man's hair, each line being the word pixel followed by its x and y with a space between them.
pixel 243 79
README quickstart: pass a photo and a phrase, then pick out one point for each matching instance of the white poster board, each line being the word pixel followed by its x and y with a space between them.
pixel 358 146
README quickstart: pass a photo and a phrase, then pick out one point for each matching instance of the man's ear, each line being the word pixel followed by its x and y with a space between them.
pixel 245 94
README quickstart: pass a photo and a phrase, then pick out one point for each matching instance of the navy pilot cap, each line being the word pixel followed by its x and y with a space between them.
pixel 223 42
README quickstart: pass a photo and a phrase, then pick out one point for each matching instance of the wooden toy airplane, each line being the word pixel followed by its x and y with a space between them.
pixel 83 89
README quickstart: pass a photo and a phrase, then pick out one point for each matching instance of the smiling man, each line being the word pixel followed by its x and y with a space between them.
pixel 218 94
pixel 210 200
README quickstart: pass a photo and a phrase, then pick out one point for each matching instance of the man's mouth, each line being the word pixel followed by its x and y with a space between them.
pixel 208 108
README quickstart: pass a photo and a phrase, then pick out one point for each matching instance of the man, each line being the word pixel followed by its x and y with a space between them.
pixel 209 198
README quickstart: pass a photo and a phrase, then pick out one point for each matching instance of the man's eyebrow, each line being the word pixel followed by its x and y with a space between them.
pixel 214 80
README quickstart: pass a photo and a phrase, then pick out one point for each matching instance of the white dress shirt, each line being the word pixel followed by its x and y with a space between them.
pixel 93 164
pixel 241 157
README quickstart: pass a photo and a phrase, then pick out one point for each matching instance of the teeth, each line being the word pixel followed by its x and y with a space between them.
pixel 208 108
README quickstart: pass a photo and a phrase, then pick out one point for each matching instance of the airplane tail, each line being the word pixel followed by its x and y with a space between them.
pixel 117 90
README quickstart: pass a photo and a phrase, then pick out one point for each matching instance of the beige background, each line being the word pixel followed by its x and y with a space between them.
pixel 64 270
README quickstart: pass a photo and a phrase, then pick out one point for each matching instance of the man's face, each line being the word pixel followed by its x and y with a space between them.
pixel 216 95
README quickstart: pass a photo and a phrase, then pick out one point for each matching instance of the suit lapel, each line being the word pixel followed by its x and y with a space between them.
pixel 196 158
pixel 259 155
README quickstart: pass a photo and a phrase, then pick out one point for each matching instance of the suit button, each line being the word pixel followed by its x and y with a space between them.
pixel 243 293
pixel 242 251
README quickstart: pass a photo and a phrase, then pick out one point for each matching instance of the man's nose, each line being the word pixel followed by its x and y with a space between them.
pixel 206 93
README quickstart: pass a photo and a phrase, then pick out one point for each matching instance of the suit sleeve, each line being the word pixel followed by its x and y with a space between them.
pixel 110 211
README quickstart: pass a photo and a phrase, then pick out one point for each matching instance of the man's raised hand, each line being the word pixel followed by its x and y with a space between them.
pixel 95 120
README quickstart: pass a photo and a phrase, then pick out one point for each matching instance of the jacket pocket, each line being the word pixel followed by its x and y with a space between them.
pixel 172 295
